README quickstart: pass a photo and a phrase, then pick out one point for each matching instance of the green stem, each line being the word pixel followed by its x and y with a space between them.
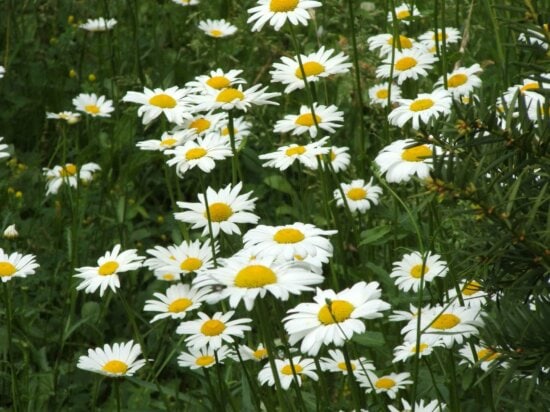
pixel 209 218
pixel 9 314
pixel 235 165
pixel 254 390
pixel 351 379
pixel 117 393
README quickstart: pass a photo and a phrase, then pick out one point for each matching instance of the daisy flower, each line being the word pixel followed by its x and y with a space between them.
pixel 247 353
pixel 167 141
pixel 318 65
pixel 68 174
pixel 186 2
pixel 217 28
pixel 178 300
pixel 241 129
pixel 202 124
pixel 226 208
pixel 116 361
pixel 10 232
pixel 432 406
pixel 533 37
pixel 407 64
pixel 388 384
pixel 3 149
pixel 285 156
pixel 333 317
pixel 169 102
pixel 404 13
pixel 109 266
pixel 404 158
pixel 2 72
pixel 211 332
pixel 93 105
pixel 203 357
pixel 200 153
pixel 385 43
pixel 69 117
pixel 404 315
pixel 16 265
pixel 327 118
pixel 472 293
pixel 234 98
pixel 338 157
pixel 538 111
pixel 528 89
pixel 425 107
pixel 277 12
pixel 486 356
pixel 409 349
pixel 285 242
pixel 182 259
pixel 414 267
pixel 286 371
pixel 99 24
pixel 359 195
pixel 217 80
pixel 461 81
pixel 337 363
pixel 428 39
pixel 379 94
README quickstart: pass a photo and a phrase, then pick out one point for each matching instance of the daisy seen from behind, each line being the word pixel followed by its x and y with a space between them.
pixel 424 108
pixel 203 357
pixel 93 105
pixel 336 363
pixel 388 384
pixel 170 102
pixel 333 318
pixel 414 268
pixel 285 156
pixel 277 12
pixel 69 117
pixel 178 300
pixel 118 360
pixel 360 196
pixel 327 118
pixel 16 265
pixel 231 98
pixel 217 28
pixel 109 266
pixel 405 158
pixel 286 370
pixel 407 64
pixel 69 174
pixel 462 81
pixel 100 24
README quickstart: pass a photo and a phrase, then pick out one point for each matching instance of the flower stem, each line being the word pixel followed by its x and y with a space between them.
pixel 117 394
pixel 235 165
pixel 9 314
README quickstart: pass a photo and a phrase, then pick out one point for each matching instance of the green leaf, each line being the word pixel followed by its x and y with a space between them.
pixel 374 235
pixel 370 339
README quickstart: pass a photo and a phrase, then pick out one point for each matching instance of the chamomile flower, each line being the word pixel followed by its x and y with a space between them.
pixel 428 39
pixel 285 242
pixel 217 79
pixel 473 294
pixel 317 65
pixel 186 2
pixel 201 153
pixel 388 384
pixel 359 195
pixel 234 98
pixel 409 349
pixel 176 302
pixel 99 24
pixel 247 353
pixel 68 174
pixel 486 356
pixel 3 149
pixel 16 265
pixel 333 317
pixel 413 268
pixel 116 361
pixel 379 94
pixel 529 90
pixel 385 43
pixel 425 107
pixel 327 118
pixel 432 406
pixel 285 156
pixel 286 370
pixel 167 141
pixel 277 12
pixel 170 102
pixel 93 105
pixel 203 357
pixel 407 64
pixel 407 315
pixel 211 332
pixel 69 117
pixel 10 232
pixel 462 81
pixel 538 109
pixel 535 37
pixel 226 208
pixel 404 13
pixel 185 258
pixel 241 129
pixel 109 266
pixel 338 157
pixel 2 72
pixel 217 28
pixel 203 124
pixel 337 363
pixel 403 159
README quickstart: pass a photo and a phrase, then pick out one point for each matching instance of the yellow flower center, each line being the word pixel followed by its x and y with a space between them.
pixel 219 212
pixel 385 383
pixel 295 150
pixel 216 33
pixel 255 276
pixel 7 269
pixel 307 120
pixel 108 268
pixel 416 154
pixel 332 155
pixel 169 142
pixel 529 86
pixel 212 327
pixel 225 131
pixel 200 125
pixel 229 95
pixel 282 6
pixel 382 94
pixel 287 369
pixel 195 153
pixel 487 355
pixel 179 305
pixel 418 270
pixel 191 264
pixel 471 288
pixel 168 276
pixel 403 14
pixel 163 101
pixel 406 43
pixel 342 365
pixel 310 69
pixel 445 321
pixel 405 63
pixel 218 82
pixel 357 193
pixel 421 104
pixel 260 353
pixel 115 367
pixel 288 235
pixel 68 170
pixel 419 349
pixel 339 311
pixel 439 36
pixel 92 108
pixel 457 80
pixel 205 360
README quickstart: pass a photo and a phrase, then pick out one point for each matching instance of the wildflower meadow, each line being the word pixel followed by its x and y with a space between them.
pixel 275 205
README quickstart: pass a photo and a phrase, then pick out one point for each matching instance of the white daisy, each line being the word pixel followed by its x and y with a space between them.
pixel 241 129
pixel 338 157
pixel 409 349
pixel 203 357
pixel 234 98
pixel 404 315
pixel 428 39
pixel 337 363
pixel 10 232
pixel 116 361
pixel 318 65
pixel 69 117
pixel 211 332
pixel 3 149
pixel 2 71
pixel 538 110
pixel 404 13
pixel 93 105
pixel 388 384
pixel 334 317
pixel 155 102
pixel 247 353
pixel 405 158
pixel 413 268
pixel 167 141
pixel 407 64
pixel 472 293
pixel 285 156
pixel 68 174
pixel 16 265
pixel 99 24
pixel 217 28
pixel 379 94
pixel 106 273
pixel 186 2
pixel 327 118
pixel 217 79
pixel 359 195
pixel 286 371
pixel 461 81
pixel 226 209
pixel 200 153
pixel 187 257
pixel 425 107
pixel 287 241
pixel 536 37
pixel 486 356
pixel 385 43
pixel 176 303
pixel 277 12
pixel 528 89
pixel 202 124
pixel 432 406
